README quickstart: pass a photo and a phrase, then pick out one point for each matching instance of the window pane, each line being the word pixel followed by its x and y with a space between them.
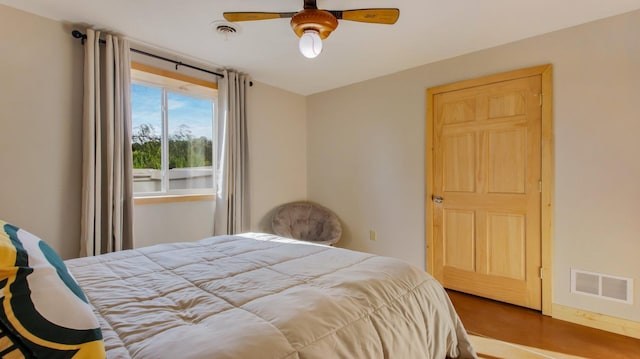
pixel 146 138
pixel 190 123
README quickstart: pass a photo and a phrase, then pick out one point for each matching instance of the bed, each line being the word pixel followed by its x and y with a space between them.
pixel 262 296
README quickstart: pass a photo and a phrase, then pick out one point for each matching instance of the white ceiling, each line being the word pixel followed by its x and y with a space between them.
pixel 427 31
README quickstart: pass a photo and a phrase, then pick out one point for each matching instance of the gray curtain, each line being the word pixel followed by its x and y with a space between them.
pixel 107 188
pixel 232 177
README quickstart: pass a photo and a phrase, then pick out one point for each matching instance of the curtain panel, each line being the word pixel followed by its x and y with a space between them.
pixel 232 175
pixel 107 184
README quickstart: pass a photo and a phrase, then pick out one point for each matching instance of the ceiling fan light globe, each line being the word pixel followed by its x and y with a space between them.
pixel 310 44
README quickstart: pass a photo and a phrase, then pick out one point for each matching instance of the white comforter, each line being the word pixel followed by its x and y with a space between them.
pixel 261 296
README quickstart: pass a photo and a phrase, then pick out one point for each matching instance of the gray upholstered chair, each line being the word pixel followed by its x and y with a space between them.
pixel 306 221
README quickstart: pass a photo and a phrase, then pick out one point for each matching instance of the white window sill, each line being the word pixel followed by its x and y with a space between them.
pixel 173 199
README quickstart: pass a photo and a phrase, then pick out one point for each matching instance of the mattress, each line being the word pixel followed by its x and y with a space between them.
pixel 262 296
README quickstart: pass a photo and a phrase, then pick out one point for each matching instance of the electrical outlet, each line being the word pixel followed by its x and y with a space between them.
pixel 373 235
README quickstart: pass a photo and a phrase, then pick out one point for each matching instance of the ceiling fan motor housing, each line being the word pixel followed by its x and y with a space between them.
pixel 313 19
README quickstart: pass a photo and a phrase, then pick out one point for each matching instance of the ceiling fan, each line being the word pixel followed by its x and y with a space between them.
pixel 312 25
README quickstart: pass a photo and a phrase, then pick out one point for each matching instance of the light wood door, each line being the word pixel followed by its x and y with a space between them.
pixel 487 170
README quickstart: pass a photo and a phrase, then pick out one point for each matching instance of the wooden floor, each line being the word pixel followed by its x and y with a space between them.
pixel 484 317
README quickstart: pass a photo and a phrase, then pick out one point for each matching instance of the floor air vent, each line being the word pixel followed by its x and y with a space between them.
pixel 600 285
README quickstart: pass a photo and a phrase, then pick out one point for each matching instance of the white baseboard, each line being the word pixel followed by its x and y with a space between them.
pixel 598 321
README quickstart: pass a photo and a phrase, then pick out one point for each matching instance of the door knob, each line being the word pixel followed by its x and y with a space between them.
pixel 437 199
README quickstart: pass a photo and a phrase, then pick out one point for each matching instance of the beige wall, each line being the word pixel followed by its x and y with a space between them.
pixel 277 151
pixel 40 144
pixel 40 128
pixel 366 152
pixel 172 222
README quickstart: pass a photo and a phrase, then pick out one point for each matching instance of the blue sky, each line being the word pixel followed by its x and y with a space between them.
pixel 146 108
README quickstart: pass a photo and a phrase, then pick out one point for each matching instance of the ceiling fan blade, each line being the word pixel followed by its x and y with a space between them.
pixel 251 16
pixel 377 16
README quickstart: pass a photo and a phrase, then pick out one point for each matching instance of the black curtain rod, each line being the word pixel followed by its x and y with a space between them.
pixel 78 35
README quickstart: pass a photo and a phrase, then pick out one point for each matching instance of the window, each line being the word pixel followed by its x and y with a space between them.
pixel 173 139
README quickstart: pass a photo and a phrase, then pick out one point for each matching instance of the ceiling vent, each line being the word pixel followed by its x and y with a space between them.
pixel 600 285
pixel 225 29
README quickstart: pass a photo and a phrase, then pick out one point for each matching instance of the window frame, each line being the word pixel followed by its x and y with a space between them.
pixel 162 79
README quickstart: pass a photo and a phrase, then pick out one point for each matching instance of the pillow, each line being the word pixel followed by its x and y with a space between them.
pixel 41 305
pixel 10 347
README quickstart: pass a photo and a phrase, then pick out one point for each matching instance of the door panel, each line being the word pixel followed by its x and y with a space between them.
pixel 459 251
pixel 507 104
pixel 506 238
pixel 459 111
pixel 507 161
pixel 459 163
pixel 486 163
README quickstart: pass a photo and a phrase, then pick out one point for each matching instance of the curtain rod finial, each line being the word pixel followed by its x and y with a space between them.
pixel 78 35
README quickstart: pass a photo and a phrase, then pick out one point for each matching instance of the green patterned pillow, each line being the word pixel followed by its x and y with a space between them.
pixel 42 307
